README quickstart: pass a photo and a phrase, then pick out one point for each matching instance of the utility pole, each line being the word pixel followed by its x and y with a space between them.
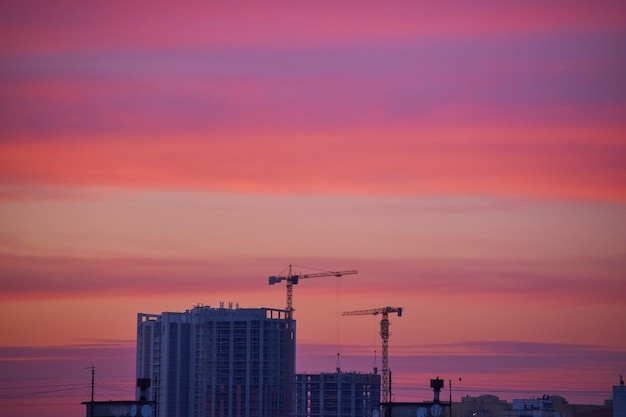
pixel 93 385
pixel 450 384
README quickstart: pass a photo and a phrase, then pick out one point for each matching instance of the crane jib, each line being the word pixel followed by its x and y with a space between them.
pixel 294 279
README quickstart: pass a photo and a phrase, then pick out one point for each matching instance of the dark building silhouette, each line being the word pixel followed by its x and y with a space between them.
pixel 213 362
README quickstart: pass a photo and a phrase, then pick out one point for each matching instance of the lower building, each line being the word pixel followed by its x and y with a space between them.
pixel 218 362
pixel 538 407
pixel 337 394
pixel 120 408
pixel 434 408
pixel 482 405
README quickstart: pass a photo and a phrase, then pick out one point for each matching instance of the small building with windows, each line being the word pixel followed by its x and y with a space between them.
pixel 337 394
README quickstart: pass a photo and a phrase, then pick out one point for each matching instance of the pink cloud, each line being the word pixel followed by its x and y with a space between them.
pixel 145 24
pixel 498 281
pixel 54 277
pixel 531 162
pixel 414 109
pixel 316 91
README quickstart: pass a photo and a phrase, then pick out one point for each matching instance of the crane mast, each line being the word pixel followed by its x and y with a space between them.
pixel 384 335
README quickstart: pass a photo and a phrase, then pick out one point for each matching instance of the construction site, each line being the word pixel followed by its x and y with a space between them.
pixel 228 361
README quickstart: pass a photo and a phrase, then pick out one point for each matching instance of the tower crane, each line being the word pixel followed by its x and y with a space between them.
pixel 384 334
pixel 292 279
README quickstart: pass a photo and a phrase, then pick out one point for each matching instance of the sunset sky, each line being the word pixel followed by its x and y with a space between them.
pixel 468 158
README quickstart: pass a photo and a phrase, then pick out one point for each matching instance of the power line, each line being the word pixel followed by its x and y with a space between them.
pixel 35 393
pixel 39 404
pixel 38 386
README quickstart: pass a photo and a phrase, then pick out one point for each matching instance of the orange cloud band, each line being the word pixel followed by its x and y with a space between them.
pixel 543 163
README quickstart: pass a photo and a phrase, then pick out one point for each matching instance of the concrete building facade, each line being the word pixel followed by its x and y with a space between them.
pixel 217 362
pixel 337 394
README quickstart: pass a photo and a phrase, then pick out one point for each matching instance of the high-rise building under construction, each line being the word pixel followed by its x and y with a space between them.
pixel 214 362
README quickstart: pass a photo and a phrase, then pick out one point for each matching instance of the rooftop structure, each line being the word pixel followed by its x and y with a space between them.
pixel 119 408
